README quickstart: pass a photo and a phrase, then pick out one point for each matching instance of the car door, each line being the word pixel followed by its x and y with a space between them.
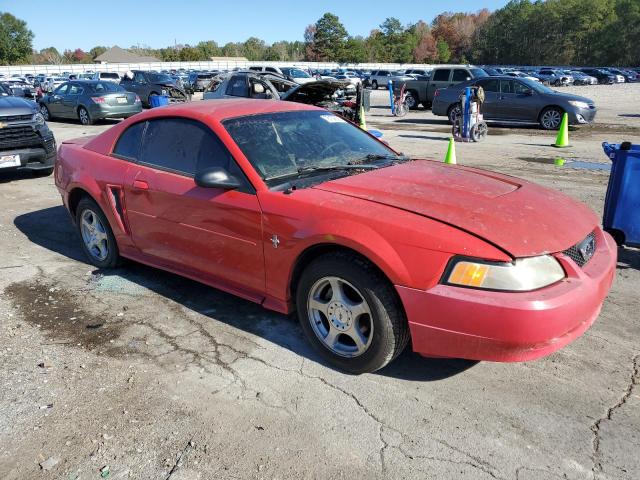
pixel 237 86
pixel 199 231
pixel 518 101
pixel 70 100
pixel 440 79
pixel 491 106
pixel 56 98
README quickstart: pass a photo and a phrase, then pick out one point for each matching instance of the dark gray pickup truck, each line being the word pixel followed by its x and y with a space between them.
pixel 26 143
pixel 422 90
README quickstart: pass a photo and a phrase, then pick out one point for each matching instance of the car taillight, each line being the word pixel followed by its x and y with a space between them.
pixel 97 99
pixel 437 93
pixel 137 99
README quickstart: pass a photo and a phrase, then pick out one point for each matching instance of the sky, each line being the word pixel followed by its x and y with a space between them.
pixel 67 24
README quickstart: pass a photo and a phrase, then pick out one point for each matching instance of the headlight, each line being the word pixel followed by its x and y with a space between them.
pixel 578 104
pixel 38 119
pixel 522 275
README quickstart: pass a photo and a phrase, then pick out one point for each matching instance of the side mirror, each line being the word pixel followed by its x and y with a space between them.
pixel 216 177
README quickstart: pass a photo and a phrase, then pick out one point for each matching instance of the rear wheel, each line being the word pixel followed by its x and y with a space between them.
pixel 454 112
pixel 374 85
pixel 84 117
pixel 411 100
pixel 550 118
pixel 350 313
pixel 98 241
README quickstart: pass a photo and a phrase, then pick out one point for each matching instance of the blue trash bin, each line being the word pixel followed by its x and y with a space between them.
pixel 622 204
pixel 158 100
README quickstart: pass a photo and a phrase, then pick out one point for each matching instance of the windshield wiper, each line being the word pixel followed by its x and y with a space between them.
pixel 329 168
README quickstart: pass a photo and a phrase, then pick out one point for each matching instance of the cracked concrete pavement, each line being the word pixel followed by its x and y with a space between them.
pixel 156 376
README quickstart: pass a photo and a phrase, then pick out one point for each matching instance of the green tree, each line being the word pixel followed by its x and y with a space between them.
pixel 15 40
pixel 329 38
pixel 208 49
pixel 254 49
pixel 444 54
pixel 97 51
pixel 355 51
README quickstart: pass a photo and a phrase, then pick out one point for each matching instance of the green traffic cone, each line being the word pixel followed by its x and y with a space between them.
pixel 558 162
pixel 562 140
pixel 363 122
pixel 450 158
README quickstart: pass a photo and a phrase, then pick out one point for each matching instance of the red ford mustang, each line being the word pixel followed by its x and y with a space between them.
pixel 292 207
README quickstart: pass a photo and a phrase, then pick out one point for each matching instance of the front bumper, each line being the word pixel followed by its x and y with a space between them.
pixel 36 152
pixel 448 321
pixel 579 116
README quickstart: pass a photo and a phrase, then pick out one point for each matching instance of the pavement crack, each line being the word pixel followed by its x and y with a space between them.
pixel 595 427
pixel 182 453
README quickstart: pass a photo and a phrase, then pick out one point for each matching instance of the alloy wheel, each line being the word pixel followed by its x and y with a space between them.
pixel 551 119
pixel 44 111
pixel 94 235
pixel 84 116
pixel 340 317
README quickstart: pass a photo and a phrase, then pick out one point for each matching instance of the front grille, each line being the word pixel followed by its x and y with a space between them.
pixel 582 252
pixel 15 118
pixel 12 138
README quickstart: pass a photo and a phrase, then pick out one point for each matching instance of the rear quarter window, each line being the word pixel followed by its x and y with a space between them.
pixel 441 75
pixel 128 145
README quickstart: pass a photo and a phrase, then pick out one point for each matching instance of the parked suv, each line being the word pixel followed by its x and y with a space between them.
pixel 108 76
pixel 422 90
pixel 26 143
pixel 149 84
pixel 199 81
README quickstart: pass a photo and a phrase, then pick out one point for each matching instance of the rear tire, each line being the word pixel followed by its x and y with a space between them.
pixel 350 313
pixel 374 85
pixel 84 117
pixel 411 100
pixel 98 242
pixel 453 113
pixel 44 111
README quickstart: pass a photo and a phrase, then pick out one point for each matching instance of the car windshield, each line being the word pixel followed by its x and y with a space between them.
pixel 284 144
pixel 159 78
pixel 107 87
pixel 478 72
pixel 295 73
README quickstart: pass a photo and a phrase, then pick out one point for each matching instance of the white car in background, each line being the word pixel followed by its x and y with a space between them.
pixel 519 74
pixel 350 76
pixel 51 83
pixel 107 76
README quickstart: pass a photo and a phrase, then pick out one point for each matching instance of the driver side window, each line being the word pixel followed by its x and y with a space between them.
pixel 139 77
pixel 185 147
pixel 62 89
pixel 520 88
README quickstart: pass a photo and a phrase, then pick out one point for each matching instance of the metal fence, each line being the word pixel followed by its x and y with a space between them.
pixel 213 65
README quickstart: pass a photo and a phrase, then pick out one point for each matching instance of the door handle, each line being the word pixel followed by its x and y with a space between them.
pixel 140 184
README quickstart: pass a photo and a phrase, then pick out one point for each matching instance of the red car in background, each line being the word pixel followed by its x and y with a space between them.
pixel 292 207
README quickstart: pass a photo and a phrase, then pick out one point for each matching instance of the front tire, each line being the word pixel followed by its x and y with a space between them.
pixel 44 111
pixel 550 118
pixel 350 313
pixel 98 241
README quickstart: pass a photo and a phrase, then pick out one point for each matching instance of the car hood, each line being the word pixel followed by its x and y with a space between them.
pixel 16 106
pixel 569 96
pixel 519 217
pixel 315 89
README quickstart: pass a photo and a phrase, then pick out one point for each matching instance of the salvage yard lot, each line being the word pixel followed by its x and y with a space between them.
pixel 156 376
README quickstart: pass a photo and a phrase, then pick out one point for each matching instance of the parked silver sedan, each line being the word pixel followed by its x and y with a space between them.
pixel 89 100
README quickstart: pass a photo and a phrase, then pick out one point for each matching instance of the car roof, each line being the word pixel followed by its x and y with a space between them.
pixel 221 109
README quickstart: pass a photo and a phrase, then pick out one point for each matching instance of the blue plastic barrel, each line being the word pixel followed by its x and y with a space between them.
pixel 622 203
pixel 158 100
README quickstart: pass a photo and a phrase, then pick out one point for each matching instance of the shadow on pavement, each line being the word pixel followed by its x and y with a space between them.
pixel 52 229
pixel 628 258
